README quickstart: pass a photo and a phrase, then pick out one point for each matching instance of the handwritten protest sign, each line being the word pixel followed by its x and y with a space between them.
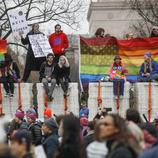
pixel 40 45
pixel 18 21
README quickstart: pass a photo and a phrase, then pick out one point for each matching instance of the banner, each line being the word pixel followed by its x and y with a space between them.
pixel 97 55
pixel 17 21
pixel 40 45
pixel 3 49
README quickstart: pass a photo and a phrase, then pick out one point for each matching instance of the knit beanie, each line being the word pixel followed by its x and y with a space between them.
pixel 148 54
pixel 48 112
pixel 51 124
pixel 31 113
pixel 20 114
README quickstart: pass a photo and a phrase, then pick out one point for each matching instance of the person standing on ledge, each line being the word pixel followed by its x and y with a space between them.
pixel 58 42
pixel 32 63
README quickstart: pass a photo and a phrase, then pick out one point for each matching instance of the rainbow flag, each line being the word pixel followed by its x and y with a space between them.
pixel 3 49
pixel 132 52
pixel 97 54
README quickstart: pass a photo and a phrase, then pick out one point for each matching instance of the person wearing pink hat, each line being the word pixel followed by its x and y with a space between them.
pixel 149 69
pixel 17 123
pixel 34 126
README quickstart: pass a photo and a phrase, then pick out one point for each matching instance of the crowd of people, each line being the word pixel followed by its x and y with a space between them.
pixel 108 135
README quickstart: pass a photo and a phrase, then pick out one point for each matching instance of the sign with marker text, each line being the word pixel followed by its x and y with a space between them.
pixel 40 45
pixel 18 21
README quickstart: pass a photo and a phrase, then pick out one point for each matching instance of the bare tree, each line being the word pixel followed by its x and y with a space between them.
pixel 148 10
pixel 42 11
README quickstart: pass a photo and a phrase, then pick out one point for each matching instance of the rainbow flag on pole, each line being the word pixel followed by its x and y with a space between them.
pixel 3 49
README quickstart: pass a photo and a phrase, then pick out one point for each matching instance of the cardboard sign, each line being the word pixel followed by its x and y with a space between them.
pixel 18 21
pixel 40 45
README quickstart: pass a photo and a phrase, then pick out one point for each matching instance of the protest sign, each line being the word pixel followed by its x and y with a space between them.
pixel 40 45
pixel 18 21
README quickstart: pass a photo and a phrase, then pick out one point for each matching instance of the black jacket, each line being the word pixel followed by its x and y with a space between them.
pixel 15 126
pixel 119 150
pixel 42 70
pixel 50 144
pixel 35 129
pixel 31 61
pixel 60 73
pixel 89 138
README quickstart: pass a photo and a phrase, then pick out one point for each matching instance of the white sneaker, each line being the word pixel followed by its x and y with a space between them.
pixel 7 95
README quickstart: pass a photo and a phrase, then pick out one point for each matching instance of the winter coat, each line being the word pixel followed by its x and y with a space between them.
pixel 60 73
pixel 84 112
pixel 151 153
pixel 50 144
pixel 89 138
pixel 117 71
pixel 119 150
pixel 34 63
pixel 42 70
pixel 15 126
pixel 58 42
pixel 35 129
pixel 154 68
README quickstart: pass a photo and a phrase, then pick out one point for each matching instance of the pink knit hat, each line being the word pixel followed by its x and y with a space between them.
pixel 32 116
pixel 19 114
pixel 31 113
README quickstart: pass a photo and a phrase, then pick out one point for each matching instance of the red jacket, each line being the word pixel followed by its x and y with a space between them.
pixel 58 42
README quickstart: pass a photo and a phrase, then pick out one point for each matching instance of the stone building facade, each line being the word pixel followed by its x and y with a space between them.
pixel 115 16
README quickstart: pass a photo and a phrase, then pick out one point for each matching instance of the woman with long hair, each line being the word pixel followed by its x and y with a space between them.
pixel 71 146
pixel 62 73
pixel 98 148
pixel 120 142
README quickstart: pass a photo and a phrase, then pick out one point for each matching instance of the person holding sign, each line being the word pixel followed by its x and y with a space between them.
pixel 117 75
pixel 46 76
pixel 32 63
pixel 58 42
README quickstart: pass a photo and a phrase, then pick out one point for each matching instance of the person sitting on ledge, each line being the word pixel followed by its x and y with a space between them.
pixel 46 76
pixel 61 73
pixel 149 69
pixel 117 75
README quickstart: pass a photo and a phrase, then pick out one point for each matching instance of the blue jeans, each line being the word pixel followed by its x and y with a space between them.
pixel 120 83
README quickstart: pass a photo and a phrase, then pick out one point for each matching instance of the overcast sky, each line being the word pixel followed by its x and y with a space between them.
pixel 84 25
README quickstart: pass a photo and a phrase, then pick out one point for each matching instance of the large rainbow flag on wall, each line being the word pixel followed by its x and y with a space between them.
pixel 3 49
pixel 97 54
